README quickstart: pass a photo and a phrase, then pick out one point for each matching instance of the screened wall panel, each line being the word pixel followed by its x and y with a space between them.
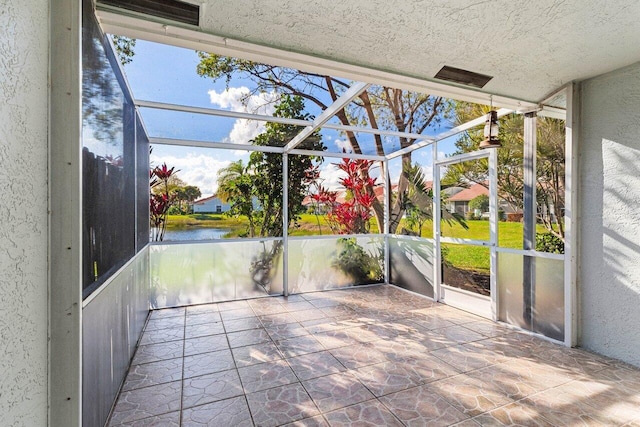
pixel 109 165
pixel 205 272
pixel 334 262
pixel 411 264
pixel 547 294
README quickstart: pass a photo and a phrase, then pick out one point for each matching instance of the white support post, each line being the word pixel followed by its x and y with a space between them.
pixel 285 224
pixel 571 215
pixel 493 231
pixel 530 216
pixel 65 218
pixel 436 207
pixel 386 198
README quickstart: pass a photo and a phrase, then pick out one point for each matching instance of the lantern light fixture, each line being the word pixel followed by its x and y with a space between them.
pixel 491 130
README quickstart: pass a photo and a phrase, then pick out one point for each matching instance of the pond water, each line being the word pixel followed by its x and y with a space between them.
pixel 195 234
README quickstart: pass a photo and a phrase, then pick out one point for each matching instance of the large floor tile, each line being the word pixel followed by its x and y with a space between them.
pixel 229 412
pixel 210 388
pixel 266 375
pixel 421 406
pixel 153 373
pixel 366 414
pixel 147 402
pixel 281 405
pixel 315 365
pixel 208 363
pixel 336 391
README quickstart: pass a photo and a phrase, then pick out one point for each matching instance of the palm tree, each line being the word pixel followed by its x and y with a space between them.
pixel 235 186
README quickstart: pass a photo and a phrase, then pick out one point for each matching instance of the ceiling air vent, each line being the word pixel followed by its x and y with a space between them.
pixel 464 77
pixel 167 9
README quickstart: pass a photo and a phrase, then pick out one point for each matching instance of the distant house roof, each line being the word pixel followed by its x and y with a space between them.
pixel 470 193
pixel 205 199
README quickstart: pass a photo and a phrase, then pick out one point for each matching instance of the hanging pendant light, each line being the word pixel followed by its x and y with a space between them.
pixel 491 129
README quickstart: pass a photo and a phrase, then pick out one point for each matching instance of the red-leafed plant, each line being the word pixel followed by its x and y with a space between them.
pixel 160 201
pixel 353 214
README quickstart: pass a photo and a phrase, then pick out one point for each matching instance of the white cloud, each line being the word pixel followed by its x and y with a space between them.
pixel 199 170
pixel 239 99
pixel 344 144
pixel 330 176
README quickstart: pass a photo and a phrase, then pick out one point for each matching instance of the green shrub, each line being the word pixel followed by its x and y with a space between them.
pixel 550 243
pixel 353 260
pixel 480 202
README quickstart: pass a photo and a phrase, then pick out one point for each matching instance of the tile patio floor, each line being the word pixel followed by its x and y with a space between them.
pixel 374 356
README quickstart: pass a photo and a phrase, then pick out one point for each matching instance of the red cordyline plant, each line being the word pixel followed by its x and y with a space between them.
pixel 351 216
pixel 160 201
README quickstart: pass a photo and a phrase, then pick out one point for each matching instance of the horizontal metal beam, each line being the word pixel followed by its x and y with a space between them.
pixel 221 113
pixel 336 155
pixel 208 144
pixel 469 242
pixel 346 128
pixel 351 93
pixel 264 118
pixel 531 253
pixel 463 157
pixel 553 112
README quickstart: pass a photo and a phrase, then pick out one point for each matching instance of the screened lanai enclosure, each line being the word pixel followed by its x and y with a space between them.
pixel 386 175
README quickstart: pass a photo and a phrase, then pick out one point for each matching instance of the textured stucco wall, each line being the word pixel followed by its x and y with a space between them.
pixel 23 212
pixel 609 273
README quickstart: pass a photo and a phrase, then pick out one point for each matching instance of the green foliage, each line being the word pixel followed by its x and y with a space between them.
pixel 261 178
pixel 354 261
pixel 267 168
pixel 124 48
pixel 417 200
pixel 480 202
pixel 235 186
pixel 184 196
pixel 549 242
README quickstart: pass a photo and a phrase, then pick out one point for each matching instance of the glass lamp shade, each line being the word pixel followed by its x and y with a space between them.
pixel 491 129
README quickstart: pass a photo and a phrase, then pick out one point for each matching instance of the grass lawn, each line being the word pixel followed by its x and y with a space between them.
pixel 462 256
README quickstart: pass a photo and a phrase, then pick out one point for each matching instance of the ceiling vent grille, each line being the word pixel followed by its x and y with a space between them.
pixel 173 10
pixel 461 76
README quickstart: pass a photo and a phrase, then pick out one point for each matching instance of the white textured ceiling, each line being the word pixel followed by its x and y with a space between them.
pixel 530 47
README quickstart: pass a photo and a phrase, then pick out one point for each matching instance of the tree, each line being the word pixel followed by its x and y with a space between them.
pixel 380 107
pixel 480 202
pixel 261 178
pixel 124 48
pixel 550 163
pixel 418 201
pixel 235 186
pixel 267 168
pixel 185 196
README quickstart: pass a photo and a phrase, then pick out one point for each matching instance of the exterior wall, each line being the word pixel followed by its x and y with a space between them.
pixel 23 208
pixel 210 206
pixel 609 192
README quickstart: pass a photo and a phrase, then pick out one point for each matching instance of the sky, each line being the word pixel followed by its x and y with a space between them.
pixel 168 74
